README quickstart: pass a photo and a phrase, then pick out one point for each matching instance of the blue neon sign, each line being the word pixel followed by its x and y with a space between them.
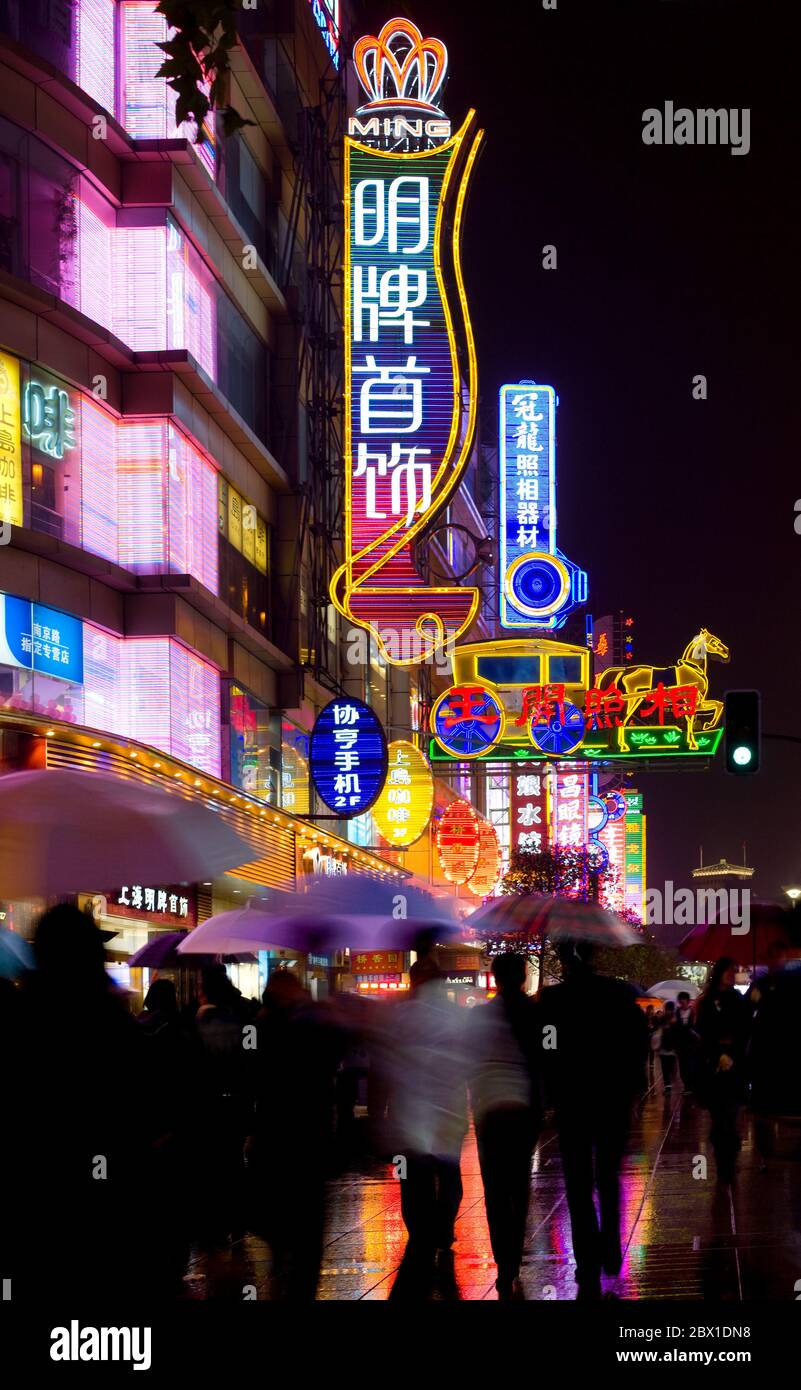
pixel 348 756
pixel 38 638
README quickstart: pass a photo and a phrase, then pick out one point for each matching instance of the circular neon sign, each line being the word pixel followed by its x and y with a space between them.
pixel 467 721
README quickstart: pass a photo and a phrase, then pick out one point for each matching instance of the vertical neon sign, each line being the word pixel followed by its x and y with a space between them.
pixel 407 351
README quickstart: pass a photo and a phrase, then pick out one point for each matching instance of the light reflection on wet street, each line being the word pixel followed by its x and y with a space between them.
pixel 684 1237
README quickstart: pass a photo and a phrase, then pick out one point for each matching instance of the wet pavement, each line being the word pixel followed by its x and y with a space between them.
pixel 684 1235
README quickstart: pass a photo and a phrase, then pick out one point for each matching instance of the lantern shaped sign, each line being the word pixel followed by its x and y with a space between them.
pixel 488 870
pixel 404 807
pixel 458 842
pixel 348 756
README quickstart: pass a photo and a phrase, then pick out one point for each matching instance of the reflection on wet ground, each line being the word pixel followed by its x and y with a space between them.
pixel 684 1236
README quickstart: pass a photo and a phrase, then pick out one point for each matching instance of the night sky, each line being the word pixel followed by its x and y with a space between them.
pixel 671 262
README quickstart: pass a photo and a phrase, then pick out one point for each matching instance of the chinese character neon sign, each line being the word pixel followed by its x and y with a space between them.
pixel 409 358
pixel 348 756
pixel 404 807
pixel 539 585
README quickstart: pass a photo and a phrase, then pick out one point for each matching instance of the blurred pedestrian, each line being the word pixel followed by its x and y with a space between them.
pixel 222 1120
pixel 651 1023
pixel 775 1049
pixel 503 1047
pixel 722 1022
pixel 686 1040
pixel 667 1047
pixel 79 1130
pixel 594 1048
pixel 428 1105
pixel 289 1150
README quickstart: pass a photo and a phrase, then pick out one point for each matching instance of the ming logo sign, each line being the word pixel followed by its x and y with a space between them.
pixel 408 351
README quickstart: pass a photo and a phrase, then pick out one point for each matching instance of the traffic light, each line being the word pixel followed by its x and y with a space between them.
pixel 742 732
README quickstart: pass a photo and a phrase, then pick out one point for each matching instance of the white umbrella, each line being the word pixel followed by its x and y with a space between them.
pixel 65 831
pixel 671 989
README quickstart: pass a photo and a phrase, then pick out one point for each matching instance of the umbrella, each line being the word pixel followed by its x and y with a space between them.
pixel 160 953
pixel 317 921
pixel 16 955
pixel 358 896
pixel 65 831
pixel 508 915
pixel 769 925
pixel 671 989
pixel 570 919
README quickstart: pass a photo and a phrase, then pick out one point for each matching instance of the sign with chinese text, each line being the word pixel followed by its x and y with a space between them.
pixel 49 417
pixel 613 837
pixel 528 810
pixel 40 639
pixel 484 879
pixel 634 878
pixel 388 964
pixel 10 442
pixel 458 841
pixel 410 365
pixel 172 906
pixel 539 586
pixel 348 756
pixel 569 806
pixel 404 807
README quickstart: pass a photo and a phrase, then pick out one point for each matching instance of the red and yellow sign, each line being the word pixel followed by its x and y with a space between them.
pixel 459 841
pixel 488 869
pixel 404 807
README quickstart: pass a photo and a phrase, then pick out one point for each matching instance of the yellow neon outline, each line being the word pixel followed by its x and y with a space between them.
pixel 432 722
pixel 346 569
pixel 376 810
pixel 527 608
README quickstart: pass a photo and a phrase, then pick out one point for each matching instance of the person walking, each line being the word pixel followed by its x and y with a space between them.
pixel 428 1106
pixel 686 1040
pixel 503 1069
pixel 667 1047
pixel 722 1022
pixel 594 1047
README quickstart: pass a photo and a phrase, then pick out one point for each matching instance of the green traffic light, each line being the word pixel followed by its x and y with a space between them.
pixel 742 755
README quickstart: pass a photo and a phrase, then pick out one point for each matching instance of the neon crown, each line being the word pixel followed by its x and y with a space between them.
pixel 400 67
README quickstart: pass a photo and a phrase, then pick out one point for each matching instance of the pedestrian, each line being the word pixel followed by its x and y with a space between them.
pixel 650 1019
pixel 594 1045
pixel 78 1132
pixel 427 1067
pixel 503 1048
pixel 775 1049
pixel 667 1047
pixel 222 1120
pixel 290 1145
pixel 722 1022
pixel 686 1040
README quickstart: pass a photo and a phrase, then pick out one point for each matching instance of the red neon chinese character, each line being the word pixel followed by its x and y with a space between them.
pixel 464 703
pixel 541 703
pixel 681 699
pixel 601 707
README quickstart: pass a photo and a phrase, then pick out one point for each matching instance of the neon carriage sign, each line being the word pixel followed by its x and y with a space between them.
pixel 410 363
pixel 535 699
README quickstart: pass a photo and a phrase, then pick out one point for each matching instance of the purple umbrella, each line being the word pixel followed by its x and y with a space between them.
pixel 160 953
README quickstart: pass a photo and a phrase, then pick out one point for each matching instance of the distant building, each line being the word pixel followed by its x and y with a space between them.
pixel 723 875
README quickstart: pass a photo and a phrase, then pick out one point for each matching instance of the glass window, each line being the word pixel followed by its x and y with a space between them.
pixel 509 670
pixel 253 742
pixel 565 670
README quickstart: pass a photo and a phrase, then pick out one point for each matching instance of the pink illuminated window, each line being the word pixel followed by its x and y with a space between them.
pixel 192 489
pixel 96 57
pixel 140 287
pixel 141 451
pixel 148 104
pixel 101 678
pixel 171 700
pixel 190 301
pixel 99 505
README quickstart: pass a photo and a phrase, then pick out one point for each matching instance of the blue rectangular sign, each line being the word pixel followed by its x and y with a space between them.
pixel 527 484
pixel 39 638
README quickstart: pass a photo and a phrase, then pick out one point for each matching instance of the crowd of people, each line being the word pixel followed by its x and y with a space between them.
pixel 133 1139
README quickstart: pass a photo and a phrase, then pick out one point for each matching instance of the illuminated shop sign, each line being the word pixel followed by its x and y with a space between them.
pixel 484 880
pixel 535 699
pixel 322 864
pixel 403 809
pixel 10 442
pixel 635 871
pixel 242 525
pixel 410 364
pixel 458 841
pixel 401 73
pixel 528 811
pixel 48 415
pixel 326 17
pixel 540 587
pixel 170 906
pixel 348 756
pixel 41 639
pixel 570 805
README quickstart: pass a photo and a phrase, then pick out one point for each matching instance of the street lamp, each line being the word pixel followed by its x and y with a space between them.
pixel 793 894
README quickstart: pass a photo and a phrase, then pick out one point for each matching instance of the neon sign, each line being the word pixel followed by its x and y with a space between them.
pixel 404 807
pixel 458 842
pixel 534 699
pixel 539 586
pixel 49 418
pixel 10 442
pixel 484 880
pixel 409 354
pixel 348 756
pixel 326 17
pixel 401 73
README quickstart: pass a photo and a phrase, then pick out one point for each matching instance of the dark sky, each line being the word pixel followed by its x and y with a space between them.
pixel 671 262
